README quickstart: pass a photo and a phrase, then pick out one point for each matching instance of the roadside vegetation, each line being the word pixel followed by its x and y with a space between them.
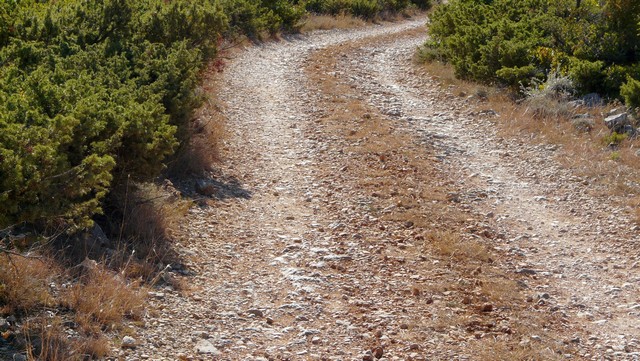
pixel 98 108
pixel 552 68
pixel 98 95
pixel 595 43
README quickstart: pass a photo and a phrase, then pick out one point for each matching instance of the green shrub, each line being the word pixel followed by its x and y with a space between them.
pixel 422 4
pixel 488 42
pixel 367 9
pixel 516 76
pixel 96 93
pixel 614 77
pixel 587 74
pixel 289 14
pixel 507 42
pixel 6 9
pixel 630 91
pixel 614 139
pixel 190 21
pixel 255 17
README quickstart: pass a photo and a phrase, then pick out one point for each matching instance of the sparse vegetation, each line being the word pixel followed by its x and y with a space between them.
pixel 614 139
pixel 555 68
pixel 326 22
pixel 24 284
pixel 95 302
pixel 449 244
pixel 102 299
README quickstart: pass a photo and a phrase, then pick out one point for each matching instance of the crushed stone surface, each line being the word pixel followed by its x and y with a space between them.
pixel 297 260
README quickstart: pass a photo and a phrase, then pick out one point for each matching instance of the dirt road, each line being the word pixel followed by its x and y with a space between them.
pixel 364 212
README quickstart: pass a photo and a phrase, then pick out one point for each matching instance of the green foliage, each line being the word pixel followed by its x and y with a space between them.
pixel 492 41
pixel 94 93
pixel 597 43
pixel 587 74
pixel 615 155
pixel 422 4
pixel 253 18
pixel 630 91
pixel 367 9
pixel 614 139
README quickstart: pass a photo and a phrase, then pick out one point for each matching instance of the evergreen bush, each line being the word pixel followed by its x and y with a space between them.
pixel 596 43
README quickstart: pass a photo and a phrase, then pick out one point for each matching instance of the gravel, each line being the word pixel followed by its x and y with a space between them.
pixel 300 268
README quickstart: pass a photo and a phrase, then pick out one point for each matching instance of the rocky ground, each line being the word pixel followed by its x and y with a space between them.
pixel 363 212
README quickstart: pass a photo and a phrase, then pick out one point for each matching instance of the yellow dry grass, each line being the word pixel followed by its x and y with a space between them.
pixel 99 300
pixel 449 244
pixel 549 121
pixel 24 283
pixel 102 299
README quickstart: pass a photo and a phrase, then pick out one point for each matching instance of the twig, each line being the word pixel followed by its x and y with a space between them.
pixel 124 211
pixel 159 275
pixel 14 253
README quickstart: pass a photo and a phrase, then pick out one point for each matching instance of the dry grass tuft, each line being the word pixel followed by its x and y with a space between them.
pixel 102 299
pixel 144 239
pixel 44 338
pixel 24 283
pixel 450 244
pixel 96 347
pixel 152 216
pixel 546 108
pixel 446 77
pixel 498 350
pixel 97 301
pixel 501 290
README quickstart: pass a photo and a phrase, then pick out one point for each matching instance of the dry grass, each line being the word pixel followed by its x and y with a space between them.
pixel 152 215
pixel 346 21
pixel 24 283
pixel 500 290
pixel 584 145
pixel 445 76
pixel 44 338
pixel 451 245
pixel 585 151
pixel 90 298
pixel 97 301
pixel 505 351
pixel 96 347
pixel 102 299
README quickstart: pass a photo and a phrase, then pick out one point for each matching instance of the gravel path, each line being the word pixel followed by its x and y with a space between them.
pixel 582 249
pixel 300 258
